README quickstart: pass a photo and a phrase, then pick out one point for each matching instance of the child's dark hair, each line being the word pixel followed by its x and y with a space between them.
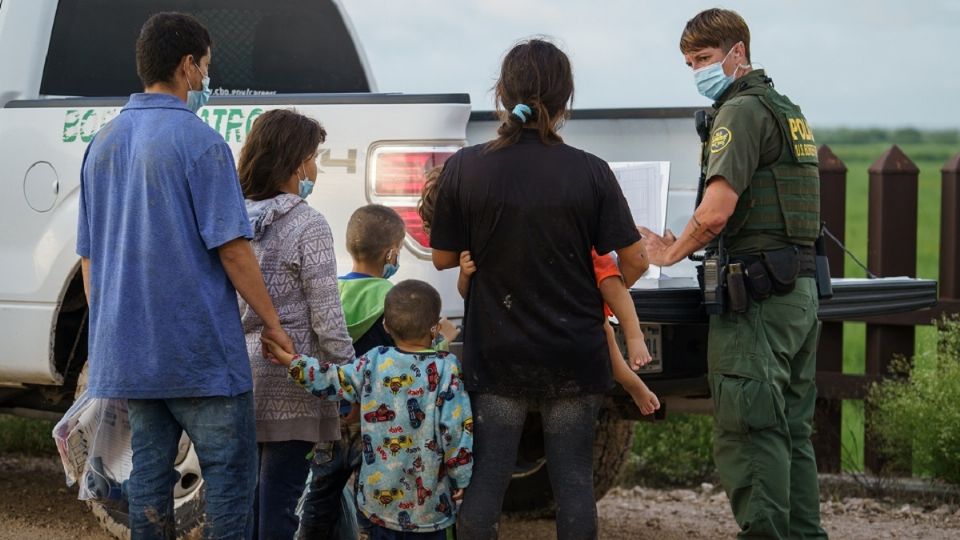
pixel 428 196
pixel 536 74
pixel 163 42
pixel 278 143
pixel 411 309
pixel 373 230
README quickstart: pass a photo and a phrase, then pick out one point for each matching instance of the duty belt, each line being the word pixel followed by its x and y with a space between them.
pixel 806 257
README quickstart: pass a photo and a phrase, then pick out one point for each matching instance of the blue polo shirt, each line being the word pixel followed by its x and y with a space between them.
pixel 159 194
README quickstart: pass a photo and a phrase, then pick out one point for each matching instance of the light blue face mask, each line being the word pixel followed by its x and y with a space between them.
pixel 306 185
pixel 306 188
pixel 199 98
pixel 712 81
pixel 390 269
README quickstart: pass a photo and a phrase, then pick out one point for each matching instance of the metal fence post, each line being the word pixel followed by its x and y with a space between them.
pixel 891 251
pixel 827 425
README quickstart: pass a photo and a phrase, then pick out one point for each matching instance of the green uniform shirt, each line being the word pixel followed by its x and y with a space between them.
pixel 745 136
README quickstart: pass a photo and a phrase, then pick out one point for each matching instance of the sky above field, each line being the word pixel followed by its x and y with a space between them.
pixel 886 63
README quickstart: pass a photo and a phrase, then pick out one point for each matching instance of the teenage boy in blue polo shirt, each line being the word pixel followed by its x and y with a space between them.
pixel 162 237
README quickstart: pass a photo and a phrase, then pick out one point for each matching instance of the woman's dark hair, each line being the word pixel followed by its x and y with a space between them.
pixel 163 42
pixel 411 309
pixel 278 143
pixel 537 74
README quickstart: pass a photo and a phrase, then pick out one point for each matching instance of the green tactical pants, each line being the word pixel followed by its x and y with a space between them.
pixel 762 365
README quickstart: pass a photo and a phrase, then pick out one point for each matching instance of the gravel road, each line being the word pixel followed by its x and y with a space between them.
pixel 35 505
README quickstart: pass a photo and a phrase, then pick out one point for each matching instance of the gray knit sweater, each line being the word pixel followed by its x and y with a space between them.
pixel 294 246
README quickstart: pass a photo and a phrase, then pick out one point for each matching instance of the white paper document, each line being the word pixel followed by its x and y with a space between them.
pixel 645 185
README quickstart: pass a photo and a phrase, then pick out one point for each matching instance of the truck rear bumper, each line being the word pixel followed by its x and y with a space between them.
pixel 853 299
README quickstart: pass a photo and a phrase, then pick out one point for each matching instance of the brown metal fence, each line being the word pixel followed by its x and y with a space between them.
pixel 891 251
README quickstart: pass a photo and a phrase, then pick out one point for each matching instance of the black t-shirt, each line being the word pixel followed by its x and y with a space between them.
pixel 529 214
pixel 376 336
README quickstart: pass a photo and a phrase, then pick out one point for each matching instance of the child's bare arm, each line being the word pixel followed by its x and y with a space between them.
pixel 467 269
pixel 616 295
pixel 463 284
pixel 646 400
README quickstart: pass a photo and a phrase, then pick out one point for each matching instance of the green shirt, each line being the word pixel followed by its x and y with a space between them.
pixel 745 135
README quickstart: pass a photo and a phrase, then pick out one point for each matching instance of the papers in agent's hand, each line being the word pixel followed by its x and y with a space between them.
pixel 645 185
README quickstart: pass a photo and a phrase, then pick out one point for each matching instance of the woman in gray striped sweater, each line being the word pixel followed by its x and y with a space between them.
pixel 294 246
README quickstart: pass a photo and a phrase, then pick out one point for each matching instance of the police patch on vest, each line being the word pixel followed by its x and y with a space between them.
pixel 803 146
pixel 721 138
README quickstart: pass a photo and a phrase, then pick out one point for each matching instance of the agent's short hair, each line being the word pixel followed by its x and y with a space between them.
pixel 428 197
pixel 715 27
pixel 372 230
pixel 411 309
pixel 164 40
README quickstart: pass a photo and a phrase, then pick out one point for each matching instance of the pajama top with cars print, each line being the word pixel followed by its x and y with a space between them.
pixel 416 430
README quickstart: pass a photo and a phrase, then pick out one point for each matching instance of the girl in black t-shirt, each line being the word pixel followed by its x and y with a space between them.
pixel 529 209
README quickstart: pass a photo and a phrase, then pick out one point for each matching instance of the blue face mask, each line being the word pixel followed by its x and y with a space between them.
pixel 390 269
pixel 306 188
pixel 712 81
pixel 199 98
pixel 306 185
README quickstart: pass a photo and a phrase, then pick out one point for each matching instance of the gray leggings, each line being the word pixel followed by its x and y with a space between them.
pixel 569 425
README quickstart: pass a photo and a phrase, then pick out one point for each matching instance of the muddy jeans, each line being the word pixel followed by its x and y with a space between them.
pixel 283 473
pixel 569 425
pixel 223 434
pixel 321 514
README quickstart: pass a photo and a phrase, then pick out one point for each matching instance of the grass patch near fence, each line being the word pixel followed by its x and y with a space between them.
pixel 674 452
pixel 26 436
pixel 917 418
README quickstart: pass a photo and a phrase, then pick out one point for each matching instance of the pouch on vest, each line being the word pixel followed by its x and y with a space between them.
pixel 783 267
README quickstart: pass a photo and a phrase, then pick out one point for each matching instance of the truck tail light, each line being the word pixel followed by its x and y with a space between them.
pixel 396 175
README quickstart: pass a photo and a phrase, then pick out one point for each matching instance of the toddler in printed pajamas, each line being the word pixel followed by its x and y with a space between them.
pixel 416 420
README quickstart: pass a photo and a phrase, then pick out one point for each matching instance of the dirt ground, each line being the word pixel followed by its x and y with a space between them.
pixel 36 505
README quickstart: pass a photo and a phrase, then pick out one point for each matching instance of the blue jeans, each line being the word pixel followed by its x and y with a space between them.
pixel 333 463
pixel 283 473
pixel 224 437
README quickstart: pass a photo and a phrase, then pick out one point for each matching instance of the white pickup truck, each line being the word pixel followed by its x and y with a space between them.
pixel 65 69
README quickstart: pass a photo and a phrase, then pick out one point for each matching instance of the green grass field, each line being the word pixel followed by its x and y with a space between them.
pixel 929 158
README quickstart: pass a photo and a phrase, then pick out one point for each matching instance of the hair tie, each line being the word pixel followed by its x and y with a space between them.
pixel 521 111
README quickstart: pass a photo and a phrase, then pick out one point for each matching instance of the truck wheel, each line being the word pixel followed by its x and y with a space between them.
pixel 187 493
pixel 530 492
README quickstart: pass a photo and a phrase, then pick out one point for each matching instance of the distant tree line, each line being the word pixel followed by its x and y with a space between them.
pixel 891 136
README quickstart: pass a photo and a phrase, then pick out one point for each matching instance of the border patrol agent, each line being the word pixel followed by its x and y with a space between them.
pixel 758 216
